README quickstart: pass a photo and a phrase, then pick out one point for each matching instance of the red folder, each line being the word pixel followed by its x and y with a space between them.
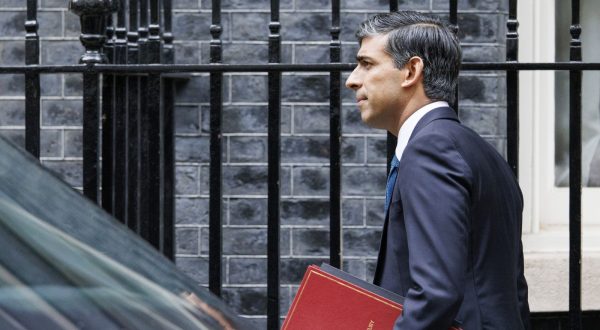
pixel 331 299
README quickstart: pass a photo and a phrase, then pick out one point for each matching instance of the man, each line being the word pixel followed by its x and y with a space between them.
pixel 451 241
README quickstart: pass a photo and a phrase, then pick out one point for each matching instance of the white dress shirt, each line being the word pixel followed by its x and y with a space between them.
pixel 409 125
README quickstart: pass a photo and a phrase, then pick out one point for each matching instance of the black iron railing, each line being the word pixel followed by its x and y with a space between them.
pixel 129 66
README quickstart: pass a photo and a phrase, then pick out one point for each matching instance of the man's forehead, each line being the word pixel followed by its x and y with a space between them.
pixel 372 46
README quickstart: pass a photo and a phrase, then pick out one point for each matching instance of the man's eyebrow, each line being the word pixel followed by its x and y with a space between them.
pixel 360 58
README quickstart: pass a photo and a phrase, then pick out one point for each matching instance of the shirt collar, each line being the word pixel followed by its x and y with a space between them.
pixel 411 122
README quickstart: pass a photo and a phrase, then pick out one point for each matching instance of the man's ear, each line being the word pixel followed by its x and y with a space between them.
pixel 413 71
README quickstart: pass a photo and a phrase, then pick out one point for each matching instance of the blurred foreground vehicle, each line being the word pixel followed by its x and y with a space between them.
pixel 66 264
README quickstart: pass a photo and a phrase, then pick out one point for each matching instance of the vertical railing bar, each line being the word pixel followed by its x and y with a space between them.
pixel 32 82
pixel 453 18
pixel 108 163
pixel 575 173
pixel 391 139
pixel 120 119
pixel 216 167
pixel 168 138
pixel 144 209
pixel 274 161
pixel 133 122
pixel 153 128
pixel 91 137
pixel 512 89
pixel 335 140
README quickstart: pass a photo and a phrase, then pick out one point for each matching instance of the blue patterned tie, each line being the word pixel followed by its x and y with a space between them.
pixel 390 182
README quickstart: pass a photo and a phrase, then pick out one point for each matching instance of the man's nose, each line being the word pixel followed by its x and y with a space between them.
pixel 353 81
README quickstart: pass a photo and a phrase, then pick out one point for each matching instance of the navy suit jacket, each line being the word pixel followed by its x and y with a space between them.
pixel 451 241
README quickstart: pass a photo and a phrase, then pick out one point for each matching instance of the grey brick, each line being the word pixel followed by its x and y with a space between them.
pixel 68 170
pixel 248 149
pixel 187 119
pixel 245 241
pixel 50 84
pixel 292 269
pixel 248 301
pixel 53 4
pixel 249 88
pixel 363 180
pixel 248 211
pixel 73 143
pixel 250 26
pixel 16 136
pixel 73 84
pixel 193 26
pixel 12 113
pixel 481 27
pixel 484 120
pixel 191 211
pixel 11 23
pixel 194 90
pixel 14 3
pixel 187 240
pixel 361 242
pixel 237 53
pixel 477 89
pixel 61 52
pixel 375 209
pixel 50 24
pixel 310 181
pixel 12 85
pixel 491 5
pixel 352 211
pixel 62 112
pixel 377 150
pixel 251 180
pixel 303 88
pixel 311 54
pixel 311 119
pixel 194 267
pixel 72 25
pixel 304 211
pixel 186 4
pixel 50 143
pixel 193 148
pixel 353 150
pixel 481 53
pixel 244 4
pixel 239 119
pixel 355 267
pixel 310 242
pixel 350 23
pixel 187 180
pixel 187 53
pixel 305 149
pixel 349 52
pixel 12 52
pixel 305 26
pixel 247 270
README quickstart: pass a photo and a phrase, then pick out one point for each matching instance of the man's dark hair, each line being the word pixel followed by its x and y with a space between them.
pixel 415 34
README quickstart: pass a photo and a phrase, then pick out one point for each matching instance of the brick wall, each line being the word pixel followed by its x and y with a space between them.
pixel 305 128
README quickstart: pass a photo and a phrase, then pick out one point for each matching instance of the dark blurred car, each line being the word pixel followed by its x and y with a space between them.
pixel 66 264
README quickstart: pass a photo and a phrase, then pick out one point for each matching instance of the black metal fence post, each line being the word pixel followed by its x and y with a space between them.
pixel 335 141
pixel 108 129
pixel 92 14
pixel 216 146
pixel 512 89
pixel 575 173
pixel 133 122
pixel 168 138
pixel 32 82
pixel 274 163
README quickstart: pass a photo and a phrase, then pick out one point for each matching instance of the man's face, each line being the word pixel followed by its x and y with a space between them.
pixel 377 83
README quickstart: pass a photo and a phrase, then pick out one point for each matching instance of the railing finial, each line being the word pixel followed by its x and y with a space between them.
pixel 93 14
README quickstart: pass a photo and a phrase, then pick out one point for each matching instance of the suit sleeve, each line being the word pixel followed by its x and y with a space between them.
pixel 435 190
